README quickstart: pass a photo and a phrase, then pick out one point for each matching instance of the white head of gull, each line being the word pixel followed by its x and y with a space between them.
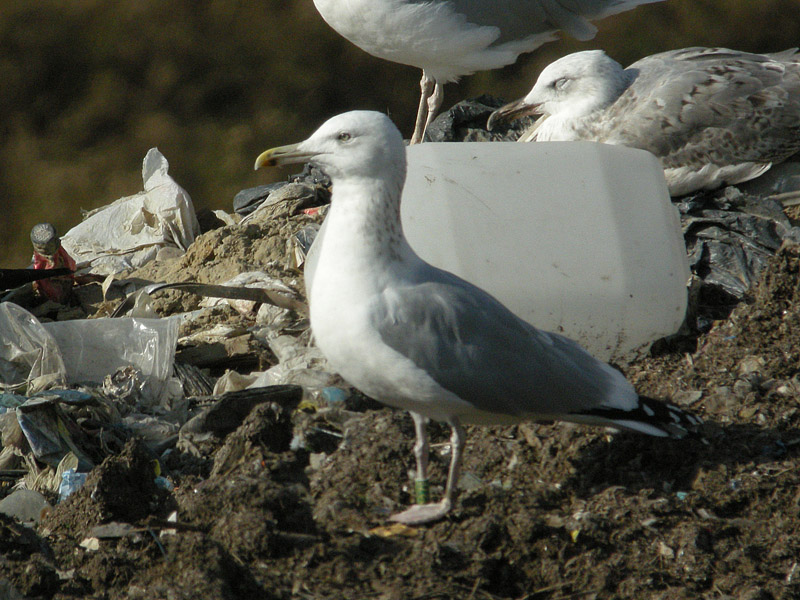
pixel 451 38
pixel 713 116
pixel 418 338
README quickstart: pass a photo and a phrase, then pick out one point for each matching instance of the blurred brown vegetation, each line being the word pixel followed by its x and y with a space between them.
pixel 87 86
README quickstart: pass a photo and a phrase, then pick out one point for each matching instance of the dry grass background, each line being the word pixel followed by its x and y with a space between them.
pixel 87 86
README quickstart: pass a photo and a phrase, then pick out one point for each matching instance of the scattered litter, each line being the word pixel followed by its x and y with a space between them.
pixel 469 481
pixel 300 244
pixel 228 412
pixel 172 518
pixel 246 201
pixel 194 381
pixel 50 432
pixel 396 530
pixel 92 544
pixel 665 551
pixel 156 433
pixel 790 575
pixel 164 483
pixel 276 292
pixel 730 236
pixel 298 363
pixel 301 193
pixel 334 395
pixel 278 297
pixel 8 401
pixel 233 381
pixel 111 530
pixel 750 364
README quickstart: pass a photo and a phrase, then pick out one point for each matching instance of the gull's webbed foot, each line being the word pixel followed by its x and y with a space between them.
pixel 420 514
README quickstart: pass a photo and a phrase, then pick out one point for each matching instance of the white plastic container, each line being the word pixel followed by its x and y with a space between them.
pixel 575 237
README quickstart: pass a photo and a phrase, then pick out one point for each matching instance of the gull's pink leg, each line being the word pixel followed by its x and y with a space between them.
pixel 427 513
pixel 427 90
pixel 434 103
pixel 421 446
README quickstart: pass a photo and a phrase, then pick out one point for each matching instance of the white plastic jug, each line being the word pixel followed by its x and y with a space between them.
pixel 575 237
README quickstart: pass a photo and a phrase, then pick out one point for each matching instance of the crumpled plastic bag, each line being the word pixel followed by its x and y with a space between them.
pixel 466 122
pixel 50 432
pixel 251 279
pixel 312 184
pixel 45 355
pixel 783 178
pixel 29 355
pixel 130 231
pixel 94 348
pixel 298 363
pixel 731 236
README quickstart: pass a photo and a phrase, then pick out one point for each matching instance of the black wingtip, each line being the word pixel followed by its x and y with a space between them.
pixel 652 417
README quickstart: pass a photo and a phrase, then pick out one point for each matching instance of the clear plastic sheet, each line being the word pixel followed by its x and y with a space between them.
pixel 29 356
pixel 93 348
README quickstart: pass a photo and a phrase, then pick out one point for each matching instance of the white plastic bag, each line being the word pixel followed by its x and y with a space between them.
pixel 130 231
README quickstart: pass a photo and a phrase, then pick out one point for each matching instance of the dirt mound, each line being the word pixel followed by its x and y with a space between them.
pixel 293 503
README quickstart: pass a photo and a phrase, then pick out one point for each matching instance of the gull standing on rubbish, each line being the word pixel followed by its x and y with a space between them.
pixel 713 116
pixel 451 38
pixel 418 338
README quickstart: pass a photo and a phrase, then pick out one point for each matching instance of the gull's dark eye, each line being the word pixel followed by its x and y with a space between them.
pixel 343 137
pixel 559 84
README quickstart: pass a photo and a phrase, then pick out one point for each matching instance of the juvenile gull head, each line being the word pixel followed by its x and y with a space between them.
pixel 713 116
pixel 418 338
pixel 571 88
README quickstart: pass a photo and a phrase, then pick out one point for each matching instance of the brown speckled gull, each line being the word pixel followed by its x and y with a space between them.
pixel 713 116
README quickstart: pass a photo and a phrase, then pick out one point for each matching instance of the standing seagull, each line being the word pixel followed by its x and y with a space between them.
pixel 418 338
pixel 712 116
pixel 451 38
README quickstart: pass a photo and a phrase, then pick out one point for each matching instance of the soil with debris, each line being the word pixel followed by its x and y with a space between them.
pixel 545 510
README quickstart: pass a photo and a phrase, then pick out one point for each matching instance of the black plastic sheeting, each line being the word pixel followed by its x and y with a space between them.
pixel 730 236
pixel 466 122
pixel 318 184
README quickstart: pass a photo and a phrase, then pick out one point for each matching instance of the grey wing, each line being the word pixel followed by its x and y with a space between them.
pixel 476 348
pixel 710 105
pixel 519 19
